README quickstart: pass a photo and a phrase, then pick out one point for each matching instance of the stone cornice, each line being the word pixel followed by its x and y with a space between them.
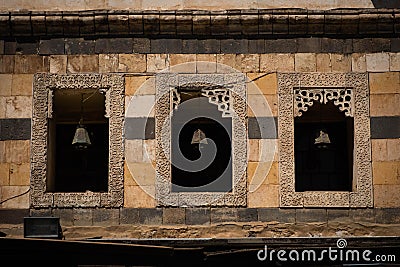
pixel 261 22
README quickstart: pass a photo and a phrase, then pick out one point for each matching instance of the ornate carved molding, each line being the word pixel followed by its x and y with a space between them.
pixel 44 84
pixel 168 82
pixel 297 91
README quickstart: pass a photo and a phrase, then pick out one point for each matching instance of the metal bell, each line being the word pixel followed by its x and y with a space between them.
pixel 81 138
pixel 199 137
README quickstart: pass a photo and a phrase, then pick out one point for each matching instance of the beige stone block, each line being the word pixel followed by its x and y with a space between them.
pixel 4 174
pixel 379 149
pixel 134 83
pixel 18 107
pixel 277 62
pixel 20 202
pixel 248 62
pixel 148 87
pixel 206 63
pixel 31 64
pixel 259 106
pixel 324 62
pixel 183 63
pixel 17 151
pixel 22 84
pixel 82 63
pixel 386 196
pixel 266 196
pixel 377 62
pixel 144 174
pixel 254 150
pixel 157 62
pixel 149 151
pixel 2 151
pixel 384 82
pixel 386 172
pixel 128 178
pixel 268 150
pixel 305 62
pixel 20 174
pixel 5 84
pixel 141 106
pixel 394 59
pixel 385 104
pixel 132 63
pixel 7 63
pixel 58 64
pixel 259 173
pixel 358 62
pixel 227 62
pixel 139 197
pixel 134 150
pixel 272 101
pixel 341 63
pixel 265 83
pixel 2 107
pixel 393 149
pixel 108 63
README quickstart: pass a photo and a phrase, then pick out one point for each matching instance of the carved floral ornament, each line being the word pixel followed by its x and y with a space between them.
pixel 228 93
pixel 297 92
pixel 44 84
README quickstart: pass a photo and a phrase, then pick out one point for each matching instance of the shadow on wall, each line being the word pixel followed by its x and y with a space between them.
pixel 386 3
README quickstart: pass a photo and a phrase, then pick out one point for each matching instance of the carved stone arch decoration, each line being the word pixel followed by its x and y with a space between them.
pixel 113 87
pixel 349 92
pixel 228 93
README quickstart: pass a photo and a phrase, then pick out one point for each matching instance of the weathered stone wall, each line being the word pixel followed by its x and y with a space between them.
pixel 138 59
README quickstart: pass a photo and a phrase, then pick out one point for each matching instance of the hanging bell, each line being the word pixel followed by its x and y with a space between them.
pixel 199 137
pixel 81 138
pixel 322 141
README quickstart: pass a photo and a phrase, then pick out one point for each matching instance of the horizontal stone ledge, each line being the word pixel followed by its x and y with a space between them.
pixel 200 23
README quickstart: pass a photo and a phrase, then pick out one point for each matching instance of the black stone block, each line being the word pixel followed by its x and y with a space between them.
pixel 13 216
pixel 141 45
pixel 277 215
pixel 150 216
pixel 234 46
pixel 129 216
pixel 385 127
pixel 15 129
pixel 79 46
pixel 52 47
pixel 114 46
pixel 198 216
pixel 247 215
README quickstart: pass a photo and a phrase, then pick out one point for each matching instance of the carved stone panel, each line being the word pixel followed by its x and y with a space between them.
pixel 43 87
pixel 297 92
pixel 228 93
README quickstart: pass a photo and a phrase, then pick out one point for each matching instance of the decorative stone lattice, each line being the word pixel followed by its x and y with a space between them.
pixel 43 87
pixel 297 91
pixel 219 97
pixel 211 86
pixel 341 97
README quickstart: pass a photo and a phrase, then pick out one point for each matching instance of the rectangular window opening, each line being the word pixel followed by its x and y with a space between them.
pixel 73 168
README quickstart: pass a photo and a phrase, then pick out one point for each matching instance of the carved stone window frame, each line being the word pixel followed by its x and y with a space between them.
pixel 43 90
pixel 355 86
pixel 167 98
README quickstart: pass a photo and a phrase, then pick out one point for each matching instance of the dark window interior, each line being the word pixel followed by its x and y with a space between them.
pixel 220 169
pixel 328 167
pixel 72 169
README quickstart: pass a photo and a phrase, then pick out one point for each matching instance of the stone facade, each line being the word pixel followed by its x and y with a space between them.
pixel 269 49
